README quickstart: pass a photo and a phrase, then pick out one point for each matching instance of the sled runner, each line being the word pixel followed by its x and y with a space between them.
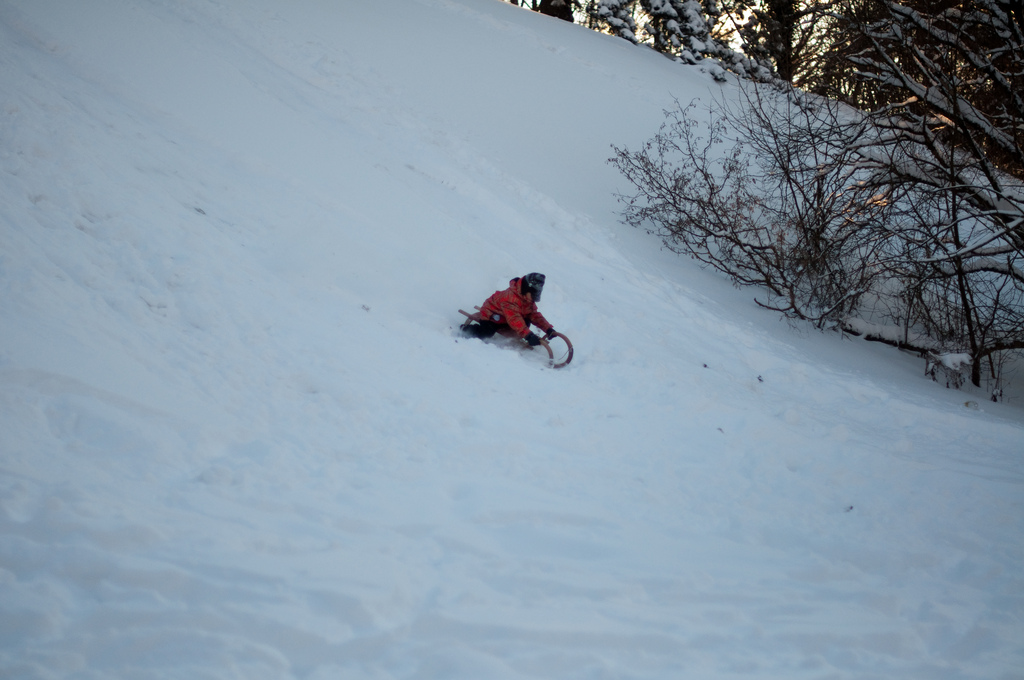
pixel 475 316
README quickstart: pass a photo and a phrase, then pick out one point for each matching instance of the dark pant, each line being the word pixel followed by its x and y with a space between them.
pixel 480 329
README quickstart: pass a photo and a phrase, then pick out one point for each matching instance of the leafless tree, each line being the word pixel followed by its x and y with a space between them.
pixel 836 218
pixel 758 195
pixel 947 150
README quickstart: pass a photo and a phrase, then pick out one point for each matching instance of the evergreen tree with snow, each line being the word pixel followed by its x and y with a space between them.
pixel 680 28
pixel 613 16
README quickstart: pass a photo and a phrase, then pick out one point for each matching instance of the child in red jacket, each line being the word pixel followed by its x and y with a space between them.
pixel 514 308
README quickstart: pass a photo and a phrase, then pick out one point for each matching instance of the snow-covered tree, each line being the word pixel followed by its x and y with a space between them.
pixel 617 17
pixel 681 27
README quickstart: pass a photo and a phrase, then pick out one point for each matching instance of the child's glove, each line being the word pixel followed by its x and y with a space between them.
pixel 532 339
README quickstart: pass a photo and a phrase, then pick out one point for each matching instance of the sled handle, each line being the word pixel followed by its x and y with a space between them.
pixel 568 358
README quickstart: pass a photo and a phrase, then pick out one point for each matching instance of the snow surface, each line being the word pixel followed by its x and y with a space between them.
pixel 240 437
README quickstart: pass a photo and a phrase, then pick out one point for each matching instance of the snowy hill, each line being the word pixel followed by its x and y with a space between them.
pixel 241 438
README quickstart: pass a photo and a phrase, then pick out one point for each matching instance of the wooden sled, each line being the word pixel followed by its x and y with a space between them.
pixel 507 332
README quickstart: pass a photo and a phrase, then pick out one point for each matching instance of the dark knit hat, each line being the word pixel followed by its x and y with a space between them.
pixel 533 283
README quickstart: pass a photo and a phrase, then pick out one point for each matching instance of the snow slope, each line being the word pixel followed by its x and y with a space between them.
pixel 240 437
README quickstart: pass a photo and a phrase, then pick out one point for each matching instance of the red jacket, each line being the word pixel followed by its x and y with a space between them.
pixel 510 307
